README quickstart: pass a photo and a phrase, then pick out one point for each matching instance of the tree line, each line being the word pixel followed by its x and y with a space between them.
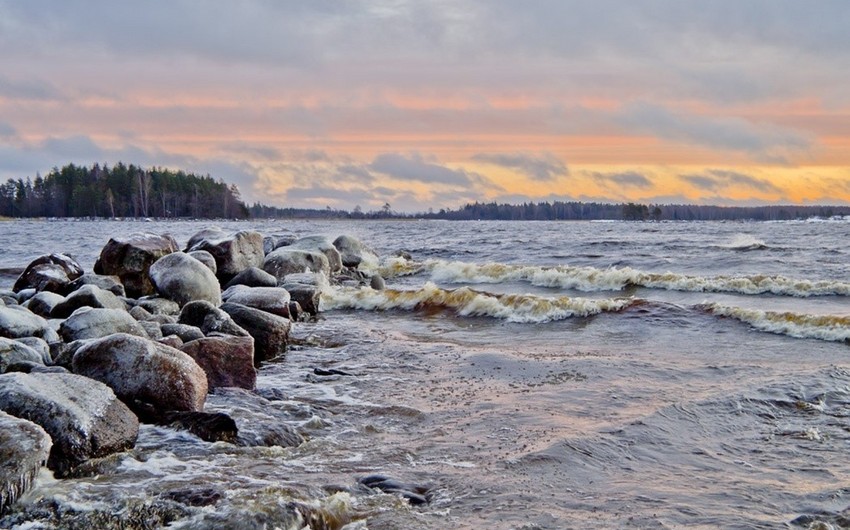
pixel 120 191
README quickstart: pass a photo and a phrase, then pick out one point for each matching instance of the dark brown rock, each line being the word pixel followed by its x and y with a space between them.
pixel 270 332
pixel 130 258
pixel 50 272
pixel 227 360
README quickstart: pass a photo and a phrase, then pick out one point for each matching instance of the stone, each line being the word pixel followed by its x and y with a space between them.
pixel 253 277
pixel 275 241
pixel 140 313
pixel 130 258
pixel 209 319
pixel 321 244
pixel 152 329
pixel 259 422
pixel 18 321
pixel 286 260
pixel 227 360
pixel 29 367
pixel 377 283
pixel 87 296
pixel 270 299
pixel 107 283
pixel 353 252
pixel 51 272
pixel 233 253
pixel 159 306
pixel 208 426
pixel 270 332
pixel 12 351
pixel 183 279
pixel 43 303
pixel 24 448
pixel 82 416
pixel 171 340
pixel 186 332
pixel 414 494
pixel 94 323
pixel 206 258
pixel 141 370
pixel 307 296
pixel 39 345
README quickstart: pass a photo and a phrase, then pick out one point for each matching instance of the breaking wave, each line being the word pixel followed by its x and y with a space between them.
pixel 591 279
pixel 465 302
pixel 798 325
pixel 745 242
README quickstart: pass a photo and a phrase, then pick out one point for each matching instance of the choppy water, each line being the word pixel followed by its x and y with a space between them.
pixel 537 376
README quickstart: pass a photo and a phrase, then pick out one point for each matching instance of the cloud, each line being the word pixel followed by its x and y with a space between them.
pixel 417 168
pixel 626 179
pixel 7 131
pixel 544 167
pixel 28 89
pixel 717 179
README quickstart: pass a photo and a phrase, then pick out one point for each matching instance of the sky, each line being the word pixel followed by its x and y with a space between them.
pixel 432 104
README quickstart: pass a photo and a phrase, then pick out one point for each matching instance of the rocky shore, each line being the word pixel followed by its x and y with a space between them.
pixel 148 336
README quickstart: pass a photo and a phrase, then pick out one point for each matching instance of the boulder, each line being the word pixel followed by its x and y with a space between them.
pixel 152 329
pixel 43 303
pixel 353 252
pixel 270 299
pixel 377 283
pixel 186 332
pixel 307 296
pixel 227 360
pixel 29 367
pixel 39 345
pixel 130 258
pixel 12 351
pixel 209 319
pixel 18 321
pixel 208 426
pixel 107 283
pixel 87 296
pixel 159 306
pixel 82 416
pixel 286 260
pixel 183 279
pixel 206 258
pixel 275 241
pixel 171 340
pixel 270 332
pixel 51 272
pixel 233 253
pixel 24 448
pixel 321 244
pixel 93 323
pixel 260 423
pixel 253 277
pixel 142 370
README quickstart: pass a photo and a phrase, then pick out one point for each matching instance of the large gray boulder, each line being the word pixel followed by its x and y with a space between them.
pixel 252 277
pixel 227 360
pixel 24 448
pixel 94 323
pixel 107 283
pixel 12 351
pixel 209 319
pixel 130 258
pixel 17 321
pixel 353 252
pixel 270 332
pixel 50 272
pixel 320 244
pixel 144 371
pixel 233 253
pixel 87 296
pixel 308 296
pixel 270 299
pixel 206 258
pixel 82 416
pixel 42 303
pixel 286 260
pixel 183 279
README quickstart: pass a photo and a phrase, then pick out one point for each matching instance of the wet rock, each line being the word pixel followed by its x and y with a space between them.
pixel 18 321
pixel 287 260
pixel 43 303
pixel 307 296
pixel 126 514
pixel 208 426
pixel 86 296
pixel 107 283
pixel 186 332
pixel 82 416
pixel 184 279
pixel 194 496
pixel 50 272
pixel 227 360
pixel 353 252
pixel 329 372
pixel 63 353
pixel 24 295
pixel 259 422
pixel 416 495
pixel 273 300
pixel 12 351
pixel 253 277
pixel 321 244
pixel 142 370
pixel 295 311
pixel 24 448
pixel 209 319
pixel 93 323
pixel 275 241
pixel 233 253
pixel 159 306
pixel 270 332
pixel 130 258
pixel 377 283
pixel 171 340
pixel 206 258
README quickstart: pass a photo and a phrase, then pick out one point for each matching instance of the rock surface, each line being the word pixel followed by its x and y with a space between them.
pixel 353 252
pixel 233 253
pixel 269 299
pixel 307 296
pixel 253 277
pixel 43 303
pixel 210 319
pixel 87 296
pixel 83 417
pixel 12 351
pixel 259 422
pixel 183 279
pixel 270 332
pixel 93 323
pixel 107 283
pixel 130 258
pixel 24 448
pixel 51 272
pixel 227 360
pixel 286 260
pixel 186 332
pixel 142 370
pixel 320 244
pixel 206 258
pixel 17 321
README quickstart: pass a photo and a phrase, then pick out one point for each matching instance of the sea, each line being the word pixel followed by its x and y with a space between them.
pixel 529 375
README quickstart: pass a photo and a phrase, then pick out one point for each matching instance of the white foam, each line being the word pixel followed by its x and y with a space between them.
pixel 745 242
pixel 823 327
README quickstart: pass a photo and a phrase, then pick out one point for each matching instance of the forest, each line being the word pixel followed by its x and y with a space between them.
pixel 120 191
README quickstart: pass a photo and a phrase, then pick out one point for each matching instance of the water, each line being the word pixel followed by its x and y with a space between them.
pixel 535 376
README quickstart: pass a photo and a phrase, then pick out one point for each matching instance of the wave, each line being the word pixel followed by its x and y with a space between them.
pixel 745 242
pixel 464 301
pixel 591 279
pixel 798 325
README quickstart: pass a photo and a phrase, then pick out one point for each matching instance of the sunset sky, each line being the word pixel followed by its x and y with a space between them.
pixel 433 104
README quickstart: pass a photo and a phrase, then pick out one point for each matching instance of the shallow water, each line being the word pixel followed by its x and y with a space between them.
pixel 535 375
